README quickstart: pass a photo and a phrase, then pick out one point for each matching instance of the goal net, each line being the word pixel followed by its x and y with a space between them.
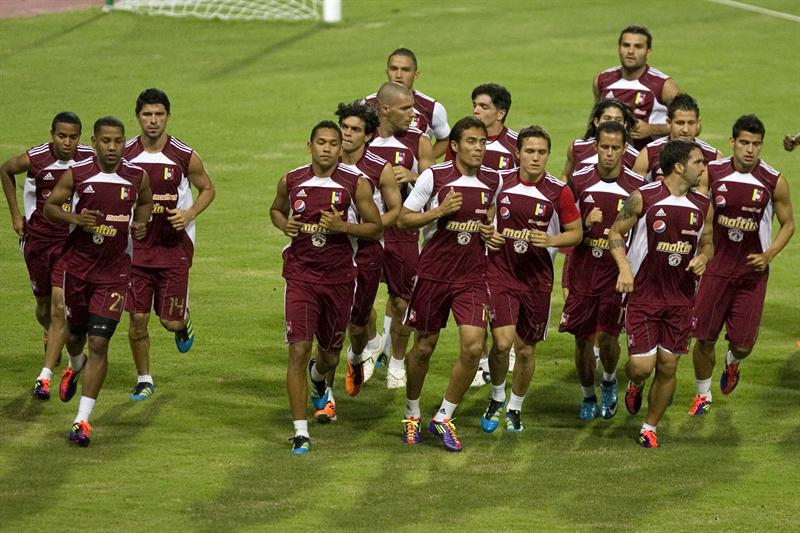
pixel 327 10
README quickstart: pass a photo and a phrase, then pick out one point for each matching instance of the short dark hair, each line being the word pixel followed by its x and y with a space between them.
pixel 464 124
pixel 360 110
pixel 152 96
pixel 325 124
pixel 500 96
pixel 600 107
pixel 108 120
pixel 403 52
pixel 683 102
pixel 612 127
pixel 641 30
pixel 66 117
pixel 674 152
pixel 533 131
pixel 750 124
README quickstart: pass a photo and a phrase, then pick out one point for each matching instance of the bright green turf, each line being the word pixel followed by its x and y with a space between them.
pixel 209 450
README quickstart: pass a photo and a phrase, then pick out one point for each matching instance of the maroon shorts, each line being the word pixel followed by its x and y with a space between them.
pixel 665 328
pixel 737 303
pixel 400 260
pixel 529 310
pixel 45 269
pixel 432 301
pixel 166 290
pixel 586 315
pixel 565 269
pixel 369 278
pixel 84 298
pixel 318 310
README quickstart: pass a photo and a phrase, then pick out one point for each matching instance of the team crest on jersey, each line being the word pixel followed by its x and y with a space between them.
pixel 520 246
pixel 464 237
pixel 336 197
pixel 97 238
pixel 660 213
pixel 597 252
pixel 659 226
pixel 124 193
pixel 674 259
pixel 318 240
pixel 719 201
pixel 168 173
pixel 758 194
pixel 299 206
pixel 539 210
pixel 504 162
pixel 414 122
pixel 735 235
pixel 505 213
pixel 399 158
pixel 484 198
pixel 619 205
pixel 45 194
pixel 693 218
pixel 505 200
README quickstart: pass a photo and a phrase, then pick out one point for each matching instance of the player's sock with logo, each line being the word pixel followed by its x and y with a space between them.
pixel 515 402
pixel 301 428
pixel 499 392
pixel 610 377
pixel 85 408
pixel 373 344
pixel 396 365
pixel 588 393
pixel 412 408
pixel 387 336
pixel 354 358
pixel 647 427
pixel 329 392
pixel 730 359
pixel 703 387
pixel 46 373
pixel 144 378
pixel 76 362
pixel 315 375
pixel 484 363
pixel 445 412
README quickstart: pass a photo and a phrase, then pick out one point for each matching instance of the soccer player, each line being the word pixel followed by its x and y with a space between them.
pixel 683 120
pixel 671 245
pixel 323 207
pixel 452 201
pixel 491 103
pixel 593 310
pixel 646 90
pixel 430 116
pixel 747 193
pixel 111 200
pixel 43 241
pixel 161 261
pixel 532 207
pixel 409 152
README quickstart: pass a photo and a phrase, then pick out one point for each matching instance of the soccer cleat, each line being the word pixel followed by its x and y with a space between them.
pixel 369 367
pixel 382 361
pixel 184 339
pixel 301 444
pixel 411 432
pixel 445 431
pixel 514 421
pixel 319 392
pixel 589 409
pixel 396 379
pixel 326 414
pixel 68 385
pixel 729 379
pixel 608 399
pixel 648 439
pixel 41 389
pixel 80 433
pixel 633 398
pixel 354 378
pixel 700 405
pixel 482 377
pixel 142 391
pixel 491 417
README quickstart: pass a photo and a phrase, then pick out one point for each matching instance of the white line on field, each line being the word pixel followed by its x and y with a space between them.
pixel 756 9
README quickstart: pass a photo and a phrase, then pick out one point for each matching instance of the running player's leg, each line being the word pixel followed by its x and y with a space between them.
pixel 711 308
pixel 140 301
pixel 642 327
pixel 580 317
pixel 171 303
pixel 505 306
pixel 742 327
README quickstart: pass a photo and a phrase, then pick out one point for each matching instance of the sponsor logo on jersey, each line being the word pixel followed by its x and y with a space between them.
pixel 158 209
pixel 751 209
pixel 312 228
pixel 302 193
pixel 722 188
pixel 505 213
pixel 659 226
pixel 519 234
pixel 102 230
pixel 505 200
pixel 719 200
pixel 758 194
pixel 48 177
pixel 118 218
pixel 588 200
pixel 740 223
pixel 88 190
pixel 596 243
pixel 471 226
pixel 299 206
pixel 660 213
pixel 680 247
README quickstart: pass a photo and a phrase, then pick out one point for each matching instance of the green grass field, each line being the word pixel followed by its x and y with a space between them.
pixel 209 450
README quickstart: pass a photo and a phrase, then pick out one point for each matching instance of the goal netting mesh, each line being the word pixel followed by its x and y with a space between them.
pixel 228 9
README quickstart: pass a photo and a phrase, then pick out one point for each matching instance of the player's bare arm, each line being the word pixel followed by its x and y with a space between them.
pixel 669 92
pixel 279 212
pixel 369 228
pixel 706 244
pixel 782 204
pixel 641 164
pixel 596 89
pixel 569 166
pixel 61 192
pixel 198 177
pixel 494 241
pixel 427 157
pixel 626 220
pixel 702 186
pixel 410 220
pixel 572 234
pixel 9 169
pixel 391 197
pixel 439 148
pixel 143 209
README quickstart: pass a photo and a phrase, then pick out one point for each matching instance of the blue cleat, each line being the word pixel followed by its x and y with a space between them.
pixel 184 339
pixel 319 390
pixel 142 391
pixel 301 445
pixel 589 409
pixel 608 399
pixel 491 417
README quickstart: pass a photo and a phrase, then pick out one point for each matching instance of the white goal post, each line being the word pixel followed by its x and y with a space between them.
pixel 329 11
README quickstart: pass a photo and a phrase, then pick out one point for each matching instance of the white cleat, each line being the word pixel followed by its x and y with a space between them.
pixel 369 367
pixel 395 379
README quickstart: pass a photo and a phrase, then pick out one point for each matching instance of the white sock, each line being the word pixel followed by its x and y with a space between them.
pixel 145 378
pixel 373 344
pixel 330 395
pixel 354 358
pixel 396 365
pixel 703 386
pixel 588 392
pixel 85 408
pixel 301 428
pixel 484 363
pixel 515 403
pixel 412 408
pixel 387 336
pixel 596 351
pixel 445 412
pixel 648 427
pixel 315 375
pixel 609 378
pixel 730 359
pixel 46 373
pixel 76 362
pixel 499 392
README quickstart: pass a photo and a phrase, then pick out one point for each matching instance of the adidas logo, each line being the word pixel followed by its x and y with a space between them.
pixel 88 190
pixel 661 213
pixel 505 200
pixel 588 200
pixel 722 188
pixel 48 177
pixel 302 193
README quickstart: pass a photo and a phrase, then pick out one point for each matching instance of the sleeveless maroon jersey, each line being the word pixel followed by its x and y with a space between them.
pixel 592 270
pixel 452 247
pixel 423 111
pixel 584 154
pixel 743 213
pixel 655 148
pixel 164 246
pixel 316 256
pixel 665 239
pixel 546 205
pixel 102 253
pixel 45 171
pixel 371 166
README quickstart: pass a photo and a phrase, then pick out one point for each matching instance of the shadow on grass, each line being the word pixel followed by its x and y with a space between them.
pixel 24 407
pixel 91 17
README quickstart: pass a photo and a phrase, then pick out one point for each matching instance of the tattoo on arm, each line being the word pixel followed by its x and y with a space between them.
pixel 616 243
pixel 628 208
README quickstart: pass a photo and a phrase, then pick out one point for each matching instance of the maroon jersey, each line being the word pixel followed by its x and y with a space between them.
pixel 45 171
pixel 316 256
pixel 429 115
pixel 546 205
pixel 452 247
pixel 501 151
pixel 592 270
pixel 102 253
pixel 665 239
pixel 655 148
pixel 164 246
pixel 742 216
pixel 584 154
pixel 371 166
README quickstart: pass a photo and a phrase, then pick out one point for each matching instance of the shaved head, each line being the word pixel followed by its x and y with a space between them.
pixel 390 91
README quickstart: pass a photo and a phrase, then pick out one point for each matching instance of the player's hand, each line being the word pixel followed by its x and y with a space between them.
pixel 698 264
pixel 595 216
pixel 540 239
pixel 88 217
pixel 179 218
pixel 641 130
pixel 452 203
pixel 790 141
pixel 18 223
pixel 403 175
pixel 332 221
pixel 293 226
pixel 495 242
pixel 759 262
pixel 625 281
pixel 138 230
